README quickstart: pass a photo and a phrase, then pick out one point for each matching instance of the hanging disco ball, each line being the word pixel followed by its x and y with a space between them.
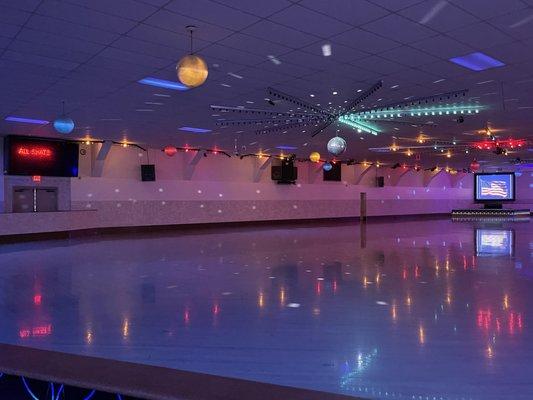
pixel 170 151
pixel 336 145
pixel 192 71
pixel 314 156
pixel 327 167
pixel 64 125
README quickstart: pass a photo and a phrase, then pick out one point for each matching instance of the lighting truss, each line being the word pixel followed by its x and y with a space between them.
pixel 364 120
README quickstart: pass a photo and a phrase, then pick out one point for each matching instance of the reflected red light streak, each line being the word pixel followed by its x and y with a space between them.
pixel 319 288
pixel 417 272
pixel 404 274
pixel 334 286
pixel 216 309
pixel 37 299
pixel 187 316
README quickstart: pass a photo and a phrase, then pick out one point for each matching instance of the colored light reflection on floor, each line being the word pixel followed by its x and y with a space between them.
pixel 309 307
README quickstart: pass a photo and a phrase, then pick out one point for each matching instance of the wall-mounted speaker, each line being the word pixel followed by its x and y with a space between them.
pixel 148 172
pixel 380 181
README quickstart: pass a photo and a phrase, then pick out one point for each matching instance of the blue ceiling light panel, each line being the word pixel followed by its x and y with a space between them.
pixel 26 120
pixel 477 61
pixel 286 147
pixel 162 83
pixel 194 130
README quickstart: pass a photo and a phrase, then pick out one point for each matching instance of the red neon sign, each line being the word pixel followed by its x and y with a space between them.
pixel 38 152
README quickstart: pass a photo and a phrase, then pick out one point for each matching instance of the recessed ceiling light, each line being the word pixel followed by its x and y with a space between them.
pixel 153 103
pixel 234 75
pixel 359 90
pixel 194 130
pixel 161 95
pixel 483 82
pixel 274 60
pixel 23 120
pixel 312 95
pixel 162 83
pixel 326 50
pixel 225 85
pixel 394 87
pixel 335 93
pixel 477 61
pixel 250 102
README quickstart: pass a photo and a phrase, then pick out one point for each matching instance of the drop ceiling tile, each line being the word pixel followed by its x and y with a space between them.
pixel 60 41
pixel 39 60
pixel 26 5
pixel 70 29
pixel 399 29
pixel 163 37
pixel 174 22
pixel 82 16
pixel 352 12
pixel 254 45
pixel 287 68
pixel 13 16
pixel 395 5
pixel 4 42
pixel 445 69
pixel 140 46
pixel 339 52
pixel 217 13
pixel 129 9
pixel 8 30
pixel 135 58
pixel 261 9
pixel 379 65
pixel 29 48
pixel 309 21
pixel 511 53
pixel 408 56
pixel 439 15
pixel 517 24
pixel 480 36
pixel 277 33
pixel 442 46
pixel 364 41
pixel 232 55
pixel 484 9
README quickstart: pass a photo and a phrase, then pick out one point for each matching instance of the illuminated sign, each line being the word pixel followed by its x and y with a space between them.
pixel 35 152
pixel 36 157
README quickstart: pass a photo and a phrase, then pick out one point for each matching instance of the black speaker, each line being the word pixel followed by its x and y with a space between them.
pixel 380 181
pixel 148 172
pixel 285 173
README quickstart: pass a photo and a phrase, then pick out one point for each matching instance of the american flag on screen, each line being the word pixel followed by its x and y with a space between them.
pixel 494 188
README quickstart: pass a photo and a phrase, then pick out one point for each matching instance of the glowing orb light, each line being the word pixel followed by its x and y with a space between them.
pixel 314 156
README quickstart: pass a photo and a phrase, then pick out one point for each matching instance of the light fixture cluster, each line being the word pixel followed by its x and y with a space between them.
pixel 172 150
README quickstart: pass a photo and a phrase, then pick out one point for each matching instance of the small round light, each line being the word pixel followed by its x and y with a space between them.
pixel 314 156
pixel 64 125
pixel 327 166
pixel 170 151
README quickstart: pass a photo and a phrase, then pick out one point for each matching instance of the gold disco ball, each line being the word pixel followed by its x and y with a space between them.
pixel 192 71
pixel 314 156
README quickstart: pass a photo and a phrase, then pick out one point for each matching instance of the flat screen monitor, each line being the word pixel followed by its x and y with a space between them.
pixel 494 242
pixel 39 156
pixel 494 187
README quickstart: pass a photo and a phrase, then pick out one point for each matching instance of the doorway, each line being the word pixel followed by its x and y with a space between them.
pixel 31 199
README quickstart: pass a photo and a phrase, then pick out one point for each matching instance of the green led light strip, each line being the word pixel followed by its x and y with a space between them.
pixel 359 125
pixel 417 112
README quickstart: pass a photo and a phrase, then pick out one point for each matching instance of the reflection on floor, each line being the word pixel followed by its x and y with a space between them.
pixel 404 310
